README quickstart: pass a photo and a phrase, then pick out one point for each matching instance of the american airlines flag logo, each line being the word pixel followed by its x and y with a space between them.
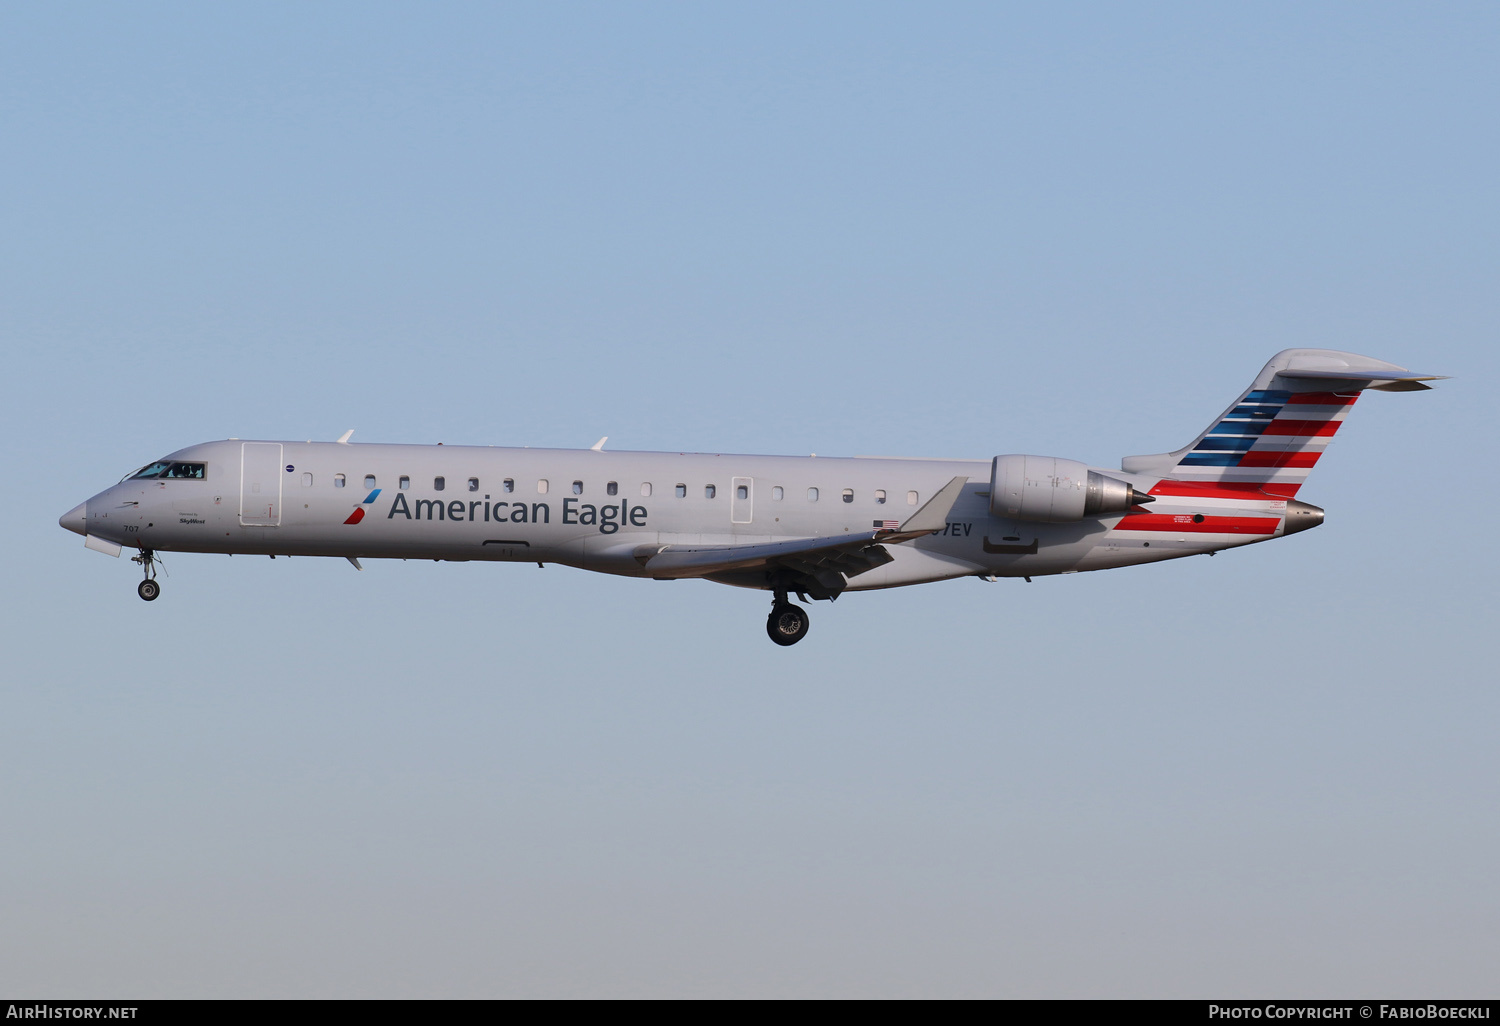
pixel 887 525
pixel 359 511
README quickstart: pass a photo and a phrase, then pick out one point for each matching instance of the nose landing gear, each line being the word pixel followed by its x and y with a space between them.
pixel 787 623
pixel 147 589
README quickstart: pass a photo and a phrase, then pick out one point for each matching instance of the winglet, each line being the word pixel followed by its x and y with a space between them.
pixel 599 445
pixel 934 515
pixel 344 438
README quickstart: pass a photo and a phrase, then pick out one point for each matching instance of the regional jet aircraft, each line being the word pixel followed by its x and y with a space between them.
pixel 814 526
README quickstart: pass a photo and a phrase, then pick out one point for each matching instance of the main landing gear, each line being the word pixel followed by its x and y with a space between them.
pixel 787 623
pixel 147 589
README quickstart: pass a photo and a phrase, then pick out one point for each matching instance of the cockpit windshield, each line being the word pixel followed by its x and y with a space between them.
pixel 172 469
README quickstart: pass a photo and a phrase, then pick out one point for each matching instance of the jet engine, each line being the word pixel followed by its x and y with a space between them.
pixel 1056 491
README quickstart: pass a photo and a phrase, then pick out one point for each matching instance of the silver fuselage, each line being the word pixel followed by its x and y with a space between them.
pixel 298 498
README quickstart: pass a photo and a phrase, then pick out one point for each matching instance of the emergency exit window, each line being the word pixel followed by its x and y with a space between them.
pixel 742 491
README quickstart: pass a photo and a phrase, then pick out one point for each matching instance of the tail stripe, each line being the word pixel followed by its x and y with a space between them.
pixel 1269 440
pixel 1302 428
pixel 1266 442
pixel 1323 399
pixel 1228 427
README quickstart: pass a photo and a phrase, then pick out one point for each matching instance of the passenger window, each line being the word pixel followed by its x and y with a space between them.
pixel 338 480
pixel 577 487
pixel 404 482
pixel 473 484
pixel 812 495
pixel 742 491
pixel 439 483
pixel 541 486
pixel 880 496
pixel 778 493
pixel 369 480
pixel 510 484
pixel 306 480
pixel 709 491
pixel 613 488
pixel 911 498
pixel 646 488
pixel 682 491
pixel 848 495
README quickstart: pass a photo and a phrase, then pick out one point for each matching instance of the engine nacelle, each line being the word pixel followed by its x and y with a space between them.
pixel 1055 491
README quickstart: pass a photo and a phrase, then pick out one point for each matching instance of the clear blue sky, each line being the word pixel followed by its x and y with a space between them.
pixel 946 230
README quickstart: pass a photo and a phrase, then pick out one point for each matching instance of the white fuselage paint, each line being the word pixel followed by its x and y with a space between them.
pixel 256 502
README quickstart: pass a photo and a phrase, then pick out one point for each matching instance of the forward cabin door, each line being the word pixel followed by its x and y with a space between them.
pixel 260 484
pixel 741 500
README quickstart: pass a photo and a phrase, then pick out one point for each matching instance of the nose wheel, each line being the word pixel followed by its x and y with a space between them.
pixel 787 623
pixel 147 589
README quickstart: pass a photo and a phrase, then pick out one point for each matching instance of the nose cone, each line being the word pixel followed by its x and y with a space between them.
pixel 76 519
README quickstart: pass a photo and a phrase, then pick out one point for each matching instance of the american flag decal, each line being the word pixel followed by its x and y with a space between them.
pixel 887 525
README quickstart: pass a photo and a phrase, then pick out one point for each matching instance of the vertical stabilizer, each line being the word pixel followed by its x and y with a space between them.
pixel 1272 436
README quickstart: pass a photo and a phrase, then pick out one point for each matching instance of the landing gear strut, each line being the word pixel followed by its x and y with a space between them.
pixel 147 589
pixel 787 623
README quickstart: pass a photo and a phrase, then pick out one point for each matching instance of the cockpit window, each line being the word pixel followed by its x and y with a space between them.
pixel 168 468
pixel 154 470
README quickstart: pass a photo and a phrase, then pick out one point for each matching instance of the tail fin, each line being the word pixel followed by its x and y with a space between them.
pixel 1271 437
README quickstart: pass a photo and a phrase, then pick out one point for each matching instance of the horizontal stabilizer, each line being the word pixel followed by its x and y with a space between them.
pixel 1380 380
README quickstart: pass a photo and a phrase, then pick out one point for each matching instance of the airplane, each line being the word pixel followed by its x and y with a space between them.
pixel 814 526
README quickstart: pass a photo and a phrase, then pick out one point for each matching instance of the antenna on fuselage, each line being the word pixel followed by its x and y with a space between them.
pixel 344 438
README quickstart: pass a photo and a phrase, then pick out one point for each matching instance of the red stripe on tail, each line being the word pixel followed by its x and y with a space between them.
pixel 1279 458
pixel 1321 399
pixel 1182 523
pixel 1227 489
pixel 1302 428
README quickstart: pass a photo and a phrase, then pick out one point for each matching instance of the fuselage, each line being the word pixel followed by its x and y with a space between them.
pixel 600 510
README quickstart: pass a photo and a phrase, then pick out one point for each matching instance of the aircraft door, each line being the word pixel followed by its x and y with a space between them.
pixel 742 500
pixel 260 484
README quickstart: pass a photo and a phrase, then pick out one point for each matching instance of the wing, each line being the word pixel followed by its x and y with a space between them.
pixel 829 561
